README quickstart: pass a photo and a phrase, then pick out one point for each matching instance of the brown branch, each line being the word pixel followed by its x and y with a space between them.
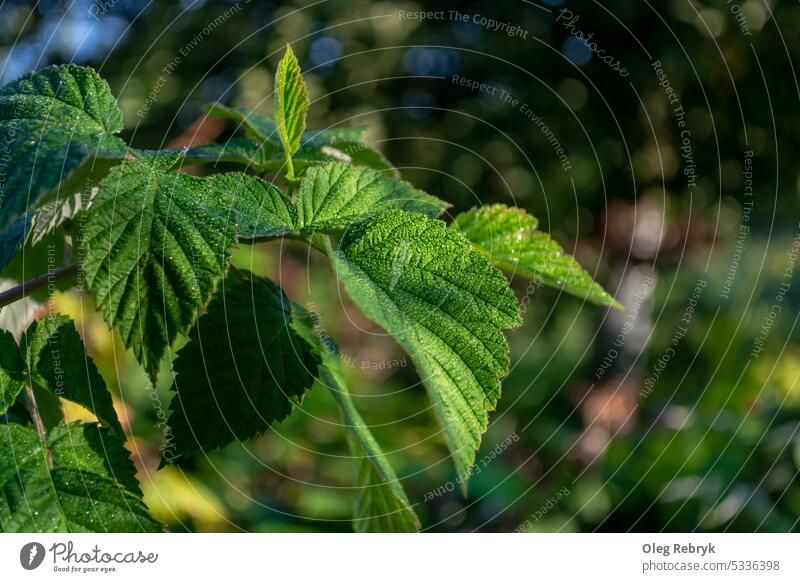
pixel 24 289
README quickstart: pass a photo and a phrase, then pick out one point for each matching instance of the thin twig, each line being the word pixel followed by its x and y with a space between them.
pixel 33 409
pixel 24 289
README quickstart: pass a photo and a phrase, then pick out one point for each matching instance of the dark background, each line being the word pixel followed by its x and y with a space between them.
pixel 712 446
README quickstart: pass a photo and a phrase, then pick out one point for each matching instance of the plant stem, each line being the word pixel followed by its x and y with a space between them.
pixel 319 242
pixel 25 288
pixel 289 167
pixel 33 410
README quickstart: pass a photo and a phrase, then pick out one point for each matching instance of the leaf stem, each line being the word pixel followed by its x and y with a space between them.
pixel 320 242
pixel 289 166
pixel 33 409
pixel 38 424
pixel 24 289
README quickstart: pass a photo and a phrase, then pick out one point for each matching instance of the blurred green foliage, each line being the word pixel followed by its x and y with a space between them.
pixel 713 446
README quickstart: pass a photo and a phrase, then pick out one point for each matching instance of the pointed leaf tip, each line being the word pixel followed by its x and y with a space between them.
pixel 291 102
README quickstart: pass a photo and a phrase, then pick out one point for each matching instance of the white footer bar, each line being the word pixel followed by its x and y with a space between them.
pixel 388 558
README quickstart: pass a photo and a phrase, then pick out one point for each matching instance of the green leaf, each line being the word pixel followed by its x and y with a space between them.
pixel 291 102
pixel 250 206
pixel 445 304
pixel 157 242
pixel 378 507
pixel 381 504
pixel 243 369
pixel 510 239
pixel 51 413
pixel 265 129
pixel 58 362
pixel 362 155
pixel 82 480
pixel 57 212
pixel 54 121
pixel 14 237
pixel 89 447
pixel 239 150
pixel 258 208
pixel 257 126
pixel 74 195
pixel 263 150
pixel 265 156
pixel 348 152
pixel 335 196
pixel 317 138
pixel 12 370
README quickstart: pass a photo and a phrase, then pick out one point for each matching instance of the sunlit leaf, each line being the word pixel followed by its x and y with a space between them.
pixel 510 239
pixel 336 196
pixel 291 102
pixel 445 304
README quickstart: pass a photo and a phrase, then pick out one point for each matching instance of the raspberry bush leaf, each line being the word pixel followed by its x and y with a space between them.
pixel 158 242
pixel 90 447
pixel 335 196
pixel 55 120
pixel 14 237
pixel 262 149
pixel 56 212
pixel 445 304
pixel 291 105
pixel 256 127
pixel 243 368
pixel 57 362
pixel 154 254
pixel 80 480
pixel 12 371
pixel 257 208
pixel 238 150
pixel 510 239
pixel 265 130
pixel 362 155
